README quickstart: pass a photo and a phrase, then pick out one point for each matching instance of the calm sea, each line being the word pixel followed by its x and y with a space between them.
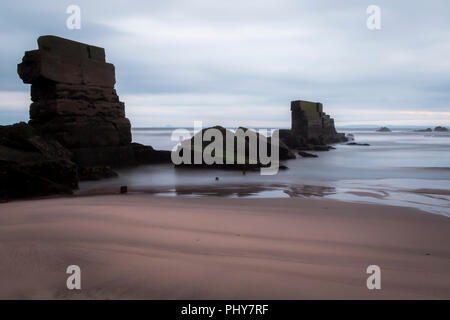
pixel 401 167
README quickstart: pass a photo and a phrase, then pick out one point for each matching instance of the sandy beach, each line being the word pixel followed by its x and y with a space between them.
pixel 144 247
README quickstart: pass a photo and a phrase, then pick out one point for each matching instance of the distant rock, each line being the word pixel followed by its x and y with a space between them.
pixel 77 128
pixel 440 129
pixel 424 130
pixel 307 154
pixel 384 129
pixel 350 137
pixel 357 144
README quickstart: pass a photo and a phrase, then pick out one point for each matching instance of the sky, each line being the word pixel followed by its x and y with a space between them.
pixel 240 63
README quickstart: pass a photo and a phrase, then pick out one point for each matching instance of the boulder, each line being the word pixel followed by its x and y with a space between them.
pixel 147 155
pixel 383 129
pixel 307 154
pixel 33 166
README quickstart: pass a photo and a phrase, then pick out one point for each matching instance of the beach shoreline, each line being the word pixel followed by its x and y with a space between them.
pixel 137 246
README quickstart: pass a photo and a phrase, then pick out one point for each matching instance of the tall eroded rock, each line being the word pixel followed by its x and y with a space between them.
pixel 310 122
pixel 74 101
pixel 72 89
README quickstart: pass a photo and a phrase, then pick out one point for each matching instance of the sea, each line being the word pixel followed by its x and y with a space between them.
pixel 398 168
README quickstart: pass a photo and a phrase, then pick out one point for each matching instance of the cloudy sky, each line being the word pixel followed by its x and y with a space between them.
pixel 242 62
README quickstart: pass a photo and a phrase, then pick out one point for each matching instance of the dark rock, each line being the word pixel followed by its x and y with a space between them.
pixel 322 148
pixel 291 140
pixel 95 173
pixel 384 129
pixel 148 155
pixel 75 103
pixel 113 156
pixel 77 128
pixel 65 61
pixel 249 163
pixel 33 166
pixel 34 179
pixel 307 154
pixel 72 89
pixel 312 124
pixel 123 189
pixel 23 137
pixel 357 144
pixel 424 130
pixel 310 127
pixel 440 129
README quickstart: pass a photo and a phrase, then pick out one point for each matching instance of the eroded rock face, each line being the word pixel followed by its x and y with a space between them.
pixel 311 124
pixel 32 166
pixel 74 100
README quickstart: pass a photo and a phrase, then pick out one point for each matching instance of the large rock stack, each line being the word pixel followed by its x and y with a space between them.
pixel 311 123
pixel 74 101
pixel 311 128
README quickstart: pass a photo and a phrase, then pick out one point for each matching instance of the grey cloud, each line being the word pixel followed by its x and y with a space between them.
pixel 273 50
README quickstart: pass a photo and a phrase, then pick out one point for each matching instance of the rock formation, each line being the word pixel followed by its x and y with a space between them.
pixel 310 127
pixel 440 129
pixel 247 136
pixel 33 166
pixel 383 129
pixel 424 130
pixel 77 128
pixel 75 103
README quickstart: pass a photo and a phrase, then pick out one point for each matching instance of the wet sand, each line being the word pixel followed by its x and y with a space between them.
pixel 146 247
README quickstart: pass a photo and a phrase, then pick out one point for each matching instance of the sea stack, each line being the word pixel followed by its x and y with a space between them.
pixel 310 122
pixel 310 127
pixel 74 101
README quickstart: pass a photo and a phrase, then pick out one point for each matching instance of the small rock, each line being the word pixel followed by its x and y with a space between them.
pixel 307 154
pixel 217 178
pixel 123 189
pixel 357 144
